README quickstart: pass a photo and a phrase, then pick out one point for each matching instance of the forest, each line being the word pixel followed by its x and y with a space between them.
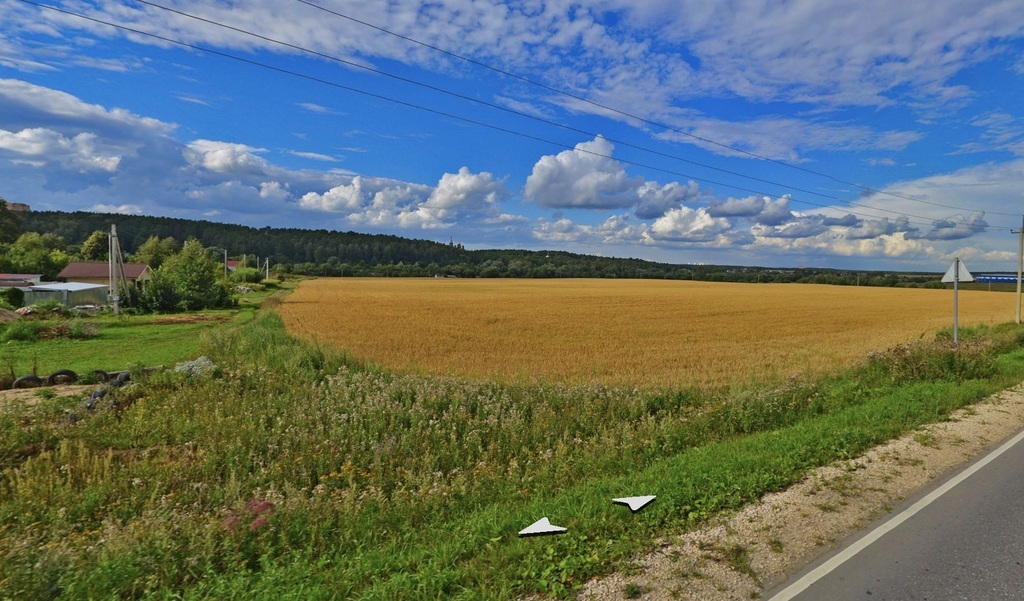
pixel 334 253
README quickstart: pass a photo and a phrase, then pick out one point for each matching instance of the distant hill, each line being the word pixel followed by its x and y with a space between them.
pixel 326 252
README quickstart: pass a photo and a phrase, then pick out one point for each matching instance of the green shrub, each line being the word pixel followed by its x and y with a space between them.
pixel 50 307
pixel 82 330
pixel 12 297
pixel 23 330
pixel 938 359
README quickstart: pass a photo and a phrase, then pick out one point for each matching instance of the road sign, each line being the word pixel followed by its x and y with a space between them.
pixel 957 275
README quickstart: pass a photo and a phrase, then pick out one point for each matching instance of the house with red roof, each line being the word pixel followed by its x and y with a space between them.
pixel 97 272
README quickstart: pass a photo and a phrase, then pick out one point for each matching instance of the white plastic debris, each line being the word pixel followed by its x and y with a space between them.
pixel 635 504
pixel 541 527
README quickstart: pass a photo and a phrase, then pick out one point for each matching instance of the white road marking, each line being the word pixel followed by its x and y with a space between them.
pixel 821 571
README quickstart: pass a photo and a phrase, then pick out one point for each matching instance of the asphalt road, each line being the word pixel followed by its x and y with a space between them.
pixel 963 539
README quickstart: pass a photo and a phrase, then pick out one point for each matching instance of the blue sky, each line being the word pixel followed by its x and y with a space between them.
pixel 866 134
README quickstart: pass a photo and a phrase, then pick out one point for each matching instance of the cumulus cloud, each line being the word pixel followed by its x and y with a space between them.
pixel 655 200
pixel 685 224
pixel 616 229
pixel 750 206
pixel 585 178
pixel 775 212
pixel 362 194
pixel 274 191
pixel 874 228
pixel 957 227
pixel 226 157
pixel 804 227
pixel 80 152
pixel 382 202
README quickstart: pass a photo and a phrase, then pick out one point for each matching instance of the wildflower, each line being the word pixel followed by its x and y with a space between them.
pixel 258 523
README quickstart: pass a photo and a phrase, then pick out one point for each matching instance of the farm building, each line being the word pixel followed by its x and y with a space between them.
pixel 72 294
pixel 99 273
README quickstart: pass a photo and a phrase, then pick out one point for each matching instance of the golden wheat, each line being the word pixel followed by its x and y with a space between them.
pixel 642 332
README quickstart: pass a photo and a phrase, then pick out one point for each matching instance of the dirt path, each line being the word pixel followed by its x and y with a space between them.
pixel 26 397
pixel 747 554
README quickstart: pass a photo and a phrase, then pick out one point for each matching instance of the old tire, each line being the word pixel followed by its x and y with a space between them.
pixel 27 382
pixel 62 376
pixel 99 375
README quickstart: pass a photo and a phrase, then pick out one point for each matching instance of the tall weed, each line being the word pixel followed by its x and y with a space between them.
pixel 294 468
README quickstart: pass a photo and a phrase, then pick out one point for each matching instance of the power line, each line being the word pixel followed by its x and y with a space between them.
pixel 529 116
pixel 293 73
pixel 630 115
pixel 492 105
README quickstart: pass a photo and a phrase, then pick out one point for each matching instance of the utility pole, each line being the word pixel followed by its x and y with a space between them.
pixel 1020 265
pixel 116 267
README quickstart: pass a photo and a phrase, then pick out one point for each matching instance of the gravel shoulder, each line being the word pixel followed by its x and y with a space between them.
pixel 743 555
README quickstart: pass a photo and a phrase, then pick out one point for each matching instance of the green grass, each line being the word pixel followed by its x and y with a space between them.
pixel 118 343
pixel 296 473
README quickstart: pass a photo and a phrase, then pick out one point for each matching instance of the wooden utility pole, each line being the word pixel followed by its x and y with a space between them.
pixel 1020 265
pixel 115 269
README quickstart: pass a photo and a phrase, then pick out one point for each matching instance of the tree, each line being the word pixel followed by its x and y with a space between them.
pixel 96 247
pixel 36 253
pixel 187 279
pixel 10 223
pixel 155 250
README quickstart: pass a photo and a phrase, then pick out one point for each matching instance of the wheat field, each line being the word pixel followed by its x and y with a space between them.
pixel 621 332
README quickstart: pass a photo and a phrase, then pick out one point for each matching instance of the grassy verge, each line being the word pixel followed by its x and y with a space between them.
pixel 293 472
pixel 113 343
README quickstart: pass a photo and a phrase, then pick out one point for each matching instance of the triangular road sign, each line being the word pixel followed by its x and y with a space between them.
pixel 635 504
pixel 541 527
pixel 951 274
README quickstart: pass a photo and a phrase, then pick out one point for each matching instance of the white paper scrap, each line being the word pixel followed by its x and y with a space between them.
pixel 635 504
pixel 540 528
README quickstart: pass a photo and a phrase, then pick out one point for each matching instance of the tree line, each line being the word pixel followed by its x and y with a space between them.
pixel 58 236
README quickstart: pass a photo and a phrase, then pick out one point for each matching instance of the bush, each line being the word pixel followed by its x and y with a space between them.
pixel 186 281
pixel 246 275
pixel 50 307
pixel 12 297
pixel 23 330
pixel 934 360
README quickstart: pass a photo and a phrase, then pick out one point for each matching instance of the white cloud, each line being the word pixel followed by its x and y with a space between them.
pixel 275 191
pixel 958 227
pixel 226 157
pixel 43 146
pixel 125 209
pixel 25 101
pixel 615 230
pixel 314 156
pixel 464 191
pixel 464 196
pixel 655 200
pixel 688 225
pixel 806 227
pixel 775 212
pixel 749 206
pixel 874 228
pixel 585 177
